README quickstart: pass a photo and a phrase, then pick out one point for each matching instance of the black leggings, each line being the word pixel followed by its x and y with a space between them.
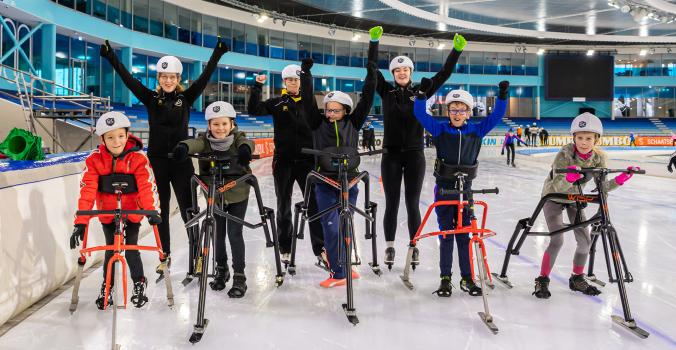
pixel 510 149
pixel 133 257
pixel 168 171
pixel 234 232
pixel 411 166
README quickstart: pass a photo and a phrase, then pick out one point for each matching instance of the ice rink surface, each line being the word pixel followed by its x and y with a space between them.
pixel 302 315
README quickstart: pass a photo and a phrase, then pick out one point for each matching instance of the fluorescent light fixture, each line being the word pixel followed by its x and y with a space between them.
pixel 643 52
pixel 541 52
pixel 355 36
pixel 441 46
pixel 590 52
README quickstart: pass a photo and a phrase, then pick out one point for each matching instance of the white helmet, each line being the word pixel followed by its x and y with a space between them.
pixel 586 122
pixel 169 64
pixel 291 71
pixel 219 109
pixel 340 97
pixel 459 96
pixel 110 121
pixel 401 61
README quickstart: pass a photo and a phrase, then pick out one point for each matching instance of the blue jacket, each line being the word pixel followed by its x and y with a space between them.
pixel 458 145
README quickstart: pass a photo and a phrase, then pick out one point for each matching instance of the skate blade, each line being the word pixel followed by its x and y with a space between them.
pixel 198 332
pixel 595 281
pixel 488 320
pixel 376 269
pixel 407 282
pixel 323 267
pixel 630 326
pixel 351 315
pixel 159 278
pixel 504 280
pixel 186 281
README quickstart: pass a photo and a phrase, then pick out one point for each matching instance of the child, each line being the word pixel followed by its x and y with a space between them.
pixel 337 131
pixel 510 140
pixel 457 143
pixel 119 153
pixel 582 153
pixel 519 132
pixel 222 136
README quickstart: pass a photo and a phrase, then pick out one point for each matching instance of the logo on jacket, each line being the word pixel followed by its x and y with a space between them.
pixel 165 65
pixel 178 103
pixel 216 109
pixel 330 95
pixel 400 60
pixel 582 124
pixel 110 121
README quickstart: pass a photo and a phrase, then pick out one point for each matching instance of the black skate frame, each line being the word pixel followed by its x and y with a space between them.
pixel 601 227
pixel 201 238
pixel 346 227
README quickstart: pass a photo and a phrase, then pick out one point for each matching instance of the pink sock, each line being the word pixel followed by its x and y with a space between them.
pixel 578 270
pixel 546 266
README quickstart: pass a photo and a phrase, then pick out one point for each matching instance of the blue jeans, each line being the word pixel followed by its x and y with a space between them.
pixel 447 219
pixel 326 197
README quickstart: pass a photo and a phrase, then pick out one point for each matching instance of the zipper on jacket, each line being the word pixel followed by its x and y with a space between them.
pixel 460 145
pixel 335 125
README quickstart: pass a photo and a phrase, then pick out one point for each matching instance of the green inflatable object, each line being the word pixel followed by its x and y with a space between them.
pixel 22 145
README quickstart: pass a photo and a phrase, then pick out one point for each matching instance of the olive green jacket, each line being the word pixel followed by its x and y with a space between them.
pixel 556 183
pixel 202 146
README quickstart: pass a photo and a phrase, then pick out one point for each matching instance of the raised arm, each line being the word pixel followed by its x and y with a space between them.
pixel 256 105
pixel 307 96
pixel 192 92
pixel 483 128
pixel 440 78
pixel 134 85
pixel 361 111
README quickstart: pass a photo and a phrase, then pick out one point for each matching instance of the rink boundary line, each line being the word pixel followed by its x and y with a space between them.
pixel 41 180
pixel 595 299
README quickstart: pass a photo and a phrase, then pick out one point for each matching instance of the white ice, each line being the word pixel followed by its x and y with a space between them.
pixel 302 315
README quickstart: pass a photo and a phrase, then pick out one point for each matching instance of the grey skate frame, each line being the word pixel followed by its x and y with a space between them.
pixel 600 227
pixel 201 237
pixel 476 242
pixel 346 227
pixel 117 261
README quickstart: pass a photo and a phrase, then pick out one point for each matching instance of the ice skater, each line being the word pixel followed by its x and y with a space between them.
pixel 222 136
pixel 403 141
pixel 457 143
pixel 582 153
pixel 118 153
pixel 510 140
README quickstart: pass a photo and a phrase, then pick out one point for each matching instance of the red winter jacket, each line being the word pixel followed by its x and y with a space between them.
pixel 131 161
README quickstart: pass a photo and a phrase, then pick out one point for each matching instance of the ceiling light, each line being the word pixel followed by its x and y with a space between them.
pixel 541 52
pixel 625 9
pixel 355 36
pixel 262 18
pixel 440 45
pixel 643 52
pixel 590 52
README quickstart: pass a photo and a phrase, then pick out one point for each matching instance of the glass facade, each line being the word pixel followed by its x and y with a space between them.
pixel 79 67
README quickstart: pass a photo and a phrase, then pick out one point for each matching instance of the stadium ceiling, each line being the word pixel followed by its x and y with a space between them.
pixel 571 22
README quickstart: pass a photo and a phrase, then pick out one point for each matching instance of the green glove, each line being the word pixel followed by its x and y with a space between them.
pixel 376 33
pixel 459 42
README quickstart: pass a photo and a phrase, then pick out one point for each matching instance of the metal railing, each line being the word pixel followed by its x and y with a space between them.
pixel 38 101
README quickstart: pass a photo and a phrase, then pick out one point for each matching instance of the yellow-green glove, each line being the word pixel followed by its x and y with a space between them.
pixel 459 42
pixel 376 33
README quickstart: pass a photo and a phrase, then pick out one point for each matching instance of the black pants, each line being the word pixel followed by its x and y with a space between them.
pixel 285 172
pixel 510 150
pixel 411 166
pixel 234 232
pixel 372 143
pixel 133 257
pixel 168 171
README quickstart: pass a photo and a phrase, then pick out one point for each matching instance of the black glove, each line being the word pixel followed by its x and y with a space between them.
pixel 154 219
pixel 504 88
pixel 106 51
pixel 180 152
pixel 671 170
pixel 425 85
pixel 222 47
pixel 77 236
pixel 244 155
pixel 306 65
